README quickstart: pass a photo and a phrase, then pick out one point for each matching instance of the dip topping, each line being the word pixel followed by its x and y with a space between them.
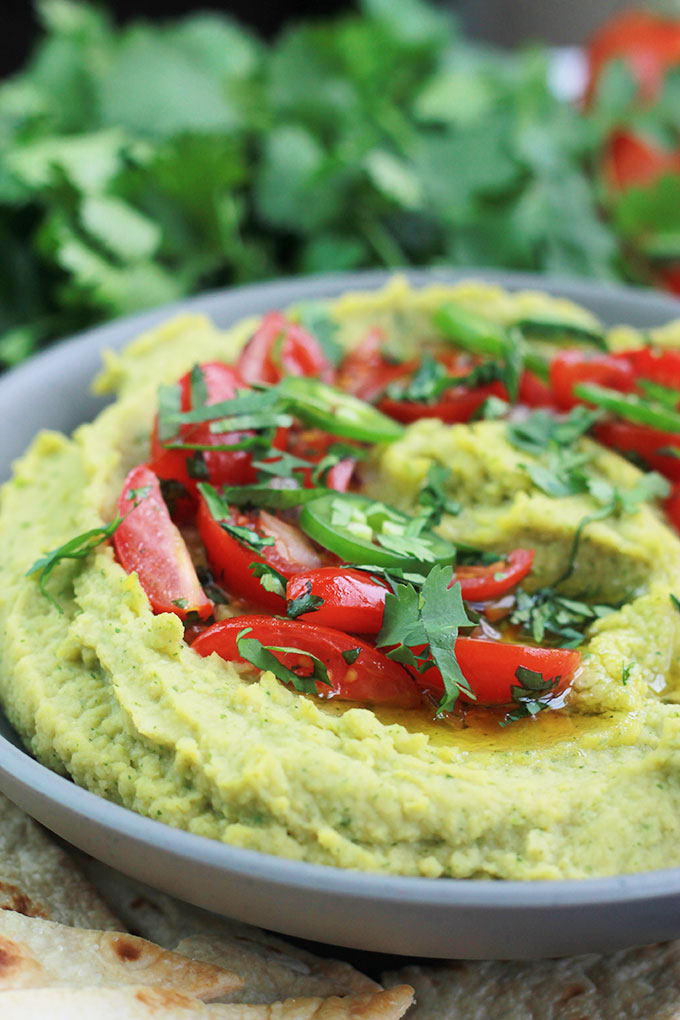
pixel 249 456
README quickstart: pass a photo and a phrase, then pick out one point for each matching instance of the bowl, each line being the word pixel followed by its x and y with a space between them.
pixel 441 918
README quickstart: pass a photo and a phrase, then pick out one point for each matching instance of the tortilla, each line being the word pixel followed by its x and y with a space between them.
pixel 633 983
pixel 148 1003
pixel 271 968
pixel 35 953
pixel 38 879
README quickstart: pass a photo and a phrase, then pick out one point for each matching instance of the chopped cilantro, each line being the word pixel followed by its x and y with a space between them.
pixel 548 616
pixel 198 389
pixel 675 601
pixel 433 494
pixel 138 494
pixel 529 694
pixel 270 578
pixel 197 467
pixel 314 317
pixel 305 603
pixel 625 672
pixel 263 657
pixel 350 655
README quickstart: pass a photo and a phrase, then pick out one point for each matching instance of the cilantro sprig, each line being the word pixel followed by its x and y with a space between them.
pixel 77 548
pixel 420 628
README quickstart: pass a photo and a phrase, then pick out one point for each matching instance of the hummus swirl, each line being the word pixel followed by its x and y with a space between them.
pixel 111 695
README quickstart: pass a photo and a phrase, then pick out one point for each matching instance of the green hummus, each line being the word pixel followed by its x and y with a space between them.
pixel 111 695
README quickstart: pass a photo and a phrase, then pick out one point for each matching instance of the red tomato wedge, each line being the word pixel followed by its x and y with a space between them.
pixel 230 559
pixel 456 405
pixel 490 667
pixel 219 467
pixel 648 43
pixel 313 445
pixel 659 366
pixel 279 348
pixel 631 161
pixel 626 437
pixel 352 600
pixel 534 392
pixel 479 583
pixel 570 367
pixel 369 676
pixel 366 373
pixel 150 545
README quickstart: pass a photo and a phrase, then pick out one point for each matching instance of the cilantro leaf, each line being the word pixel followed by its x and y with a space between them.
pixel 270 578
pixel 263 657
pixel 305 603
pixel 77 548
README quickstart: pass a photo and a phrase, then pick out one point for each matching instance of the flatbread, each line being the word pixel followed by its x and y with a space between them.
pixel 35 953
pixel 633 983
pixel 38 879
pixel 271 968
pixel 160 1004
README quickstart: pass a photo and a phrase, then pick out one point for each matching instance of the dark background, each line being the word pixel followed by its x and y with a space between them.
pixel 19 28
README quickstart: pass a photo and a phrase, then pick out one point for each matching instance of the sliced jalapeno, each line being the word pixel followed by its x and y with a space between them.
pixel 629 406
pixel 337 412
pixel 363 531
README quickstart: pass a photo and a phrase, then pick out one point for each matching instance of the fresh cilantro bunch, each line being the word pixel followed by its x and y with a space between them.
pixel 142 163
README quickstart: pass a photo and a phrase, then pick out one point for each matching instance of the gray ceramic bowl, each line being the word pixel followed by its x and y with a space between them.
pixel 413 916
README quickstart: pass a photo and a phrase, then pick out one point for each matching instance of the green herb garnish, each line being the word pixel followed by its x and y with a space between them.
pixel 77 548
pixel 305 603
pixel 263 657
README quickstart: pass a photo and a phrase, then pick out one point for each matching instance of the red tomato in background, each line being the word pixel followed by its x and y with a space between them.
pixel 659 366
pixel 369 677
pixel 627 437
pixel 649 44
pixel 230 559
pixel 313 445
pixel 534 392
pixel 631 161
pixel 456 405
pixel 570 367
pixel 279 348
pixel 490 666
pixel 150 545
pixel 366 373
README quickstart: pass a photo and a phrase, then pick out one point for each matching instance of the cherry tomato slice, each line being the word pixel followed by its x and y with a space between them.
pixel 352 600
pixel 313 445
pixel 219 467
pixel 456 405
pixel 479 583
pixel 281 348
pixel 230 560
pixel 659 366
pixel 366 373
pixel 534 392
pixel 490 667
pixel 628 438
pixel 149 544
pixel 369 676
pixel 570 367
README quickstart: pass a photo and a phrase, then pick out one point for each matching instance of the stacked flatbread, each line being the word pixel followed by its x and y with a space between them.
pixel 64 953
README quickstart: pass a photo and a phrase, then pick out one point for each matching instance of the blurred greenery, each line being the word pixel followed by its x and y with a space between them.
pixel 144 163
